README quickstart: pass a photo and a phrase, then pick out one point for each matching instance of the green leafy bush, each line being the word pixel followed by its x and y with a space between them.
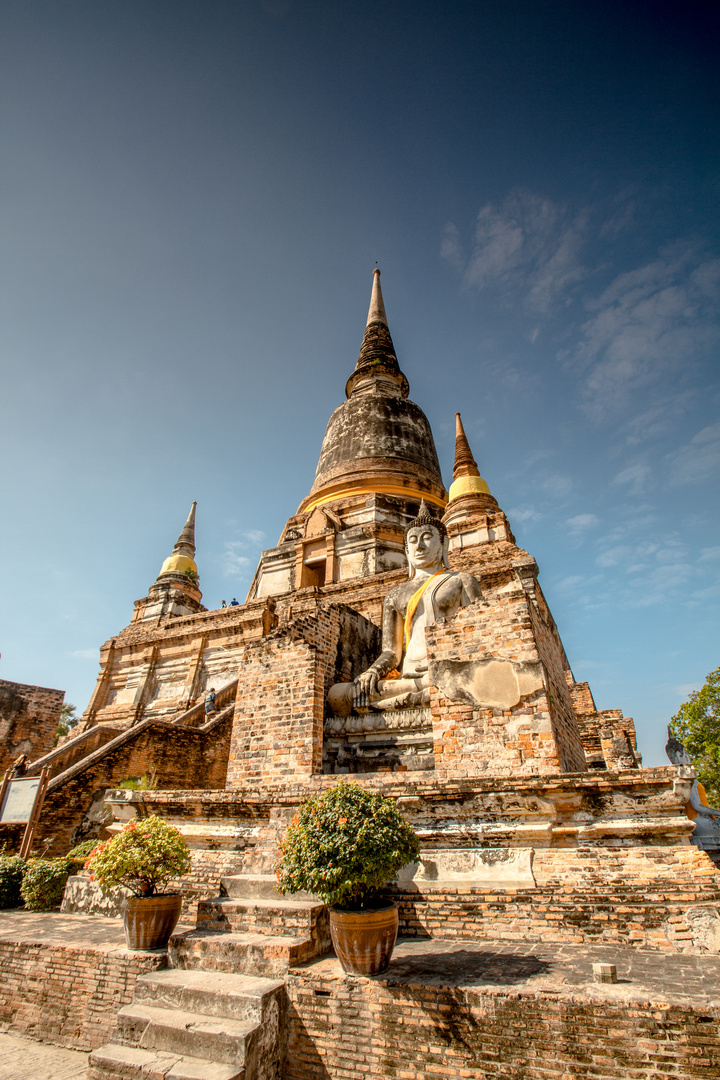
pixel 78 855
pixel 345 845
pixel 83 849
pixel 44 883
pixel 697 725
pixel 146 782
pixel 11 875
pixel 143 857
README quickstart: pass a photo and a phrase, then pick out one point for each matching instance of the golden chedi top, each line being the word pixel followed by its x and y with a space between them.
pixel 466 475
pixel 182 559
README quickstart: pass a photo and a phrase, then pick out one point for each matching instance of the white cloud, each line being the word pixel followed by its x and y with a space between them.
pixel 709 554
pixel 234 563
pixel 706 594
pixel 642 334
pixel 235 558
pixel 255 536
pixel 86 654
pixel 613 556
pixel 528 245
pixel 450 247
pixel 570 582
pixel 684 690
pixel 581 522
pixel 633 477
pixel 658 418
pixel 526 514
pixel 557 485
pixel 646 324
pixel 698 461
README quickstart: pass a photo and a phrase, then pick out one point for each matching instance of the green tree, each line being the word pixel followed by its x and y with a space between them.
pixel 68 720
pixel 697 725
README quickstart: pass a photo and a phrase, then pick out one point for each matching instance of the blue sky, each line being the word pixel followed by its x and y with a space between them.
pixel 193 197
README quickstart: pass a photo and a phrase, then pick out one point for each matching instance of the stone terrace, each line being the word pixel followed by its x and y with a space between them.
pixel 443 1009
pixel 525 1011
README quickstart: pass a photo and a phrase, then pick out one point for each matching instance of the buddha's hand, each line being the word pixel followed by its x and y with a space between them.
pixel 365 686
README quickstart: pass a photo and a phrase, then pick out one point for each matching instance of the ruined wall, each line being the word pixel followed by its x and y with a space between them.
pixel 665 899
pixel 29 716
pixel 496 709
pixel 181 758
pixel 356 1028
pixel 552 654
pixel 157 668
pixel 608 737
pixel 283 682
pixel 68 995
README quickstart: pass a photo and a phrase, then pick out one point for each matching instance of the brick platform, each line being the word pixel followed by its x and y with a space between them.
pixel 64 977
pixel 526 1012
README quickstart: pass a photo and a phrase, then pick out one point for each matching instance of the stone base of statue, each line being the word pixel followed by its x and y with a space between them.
pixel 394 740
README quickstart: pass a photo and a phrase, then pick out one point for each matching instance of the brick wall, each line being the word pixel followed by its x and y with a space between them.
pixel 598 728
pixel 562 713
pixel 29 716
pixel 283 681
pixel 354 1029
pixel 159 667
pixel 640 897
pixel 68 995
pixel 537 736
pixel 181 758
pixel 612 863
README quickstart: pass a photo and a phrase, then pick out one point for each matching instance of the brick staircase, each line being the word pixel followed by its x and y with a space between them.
pixel 216 1013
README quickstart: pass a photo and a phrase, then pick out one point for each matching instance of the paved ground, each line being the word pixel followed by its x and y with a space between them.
pixel 566 969
pixel 534 966
pixel 23 1059
pixel 92 931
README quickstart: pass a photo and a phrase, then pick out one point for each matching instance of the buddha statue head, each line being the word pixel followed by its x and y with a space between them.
pixel 426 542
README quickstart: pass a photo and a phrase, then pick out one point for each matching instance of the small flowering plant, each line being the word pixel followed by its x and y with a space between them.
pixel 143 857
pixel 345 845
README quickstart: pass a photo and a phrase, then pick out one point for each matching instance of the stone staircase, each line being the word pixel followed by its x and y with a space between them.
pixel 216 1013
pixel 253 930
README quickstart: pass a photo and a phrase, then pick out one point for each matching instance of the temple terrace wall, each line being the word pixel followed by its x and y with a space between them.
pixel 180 757
pixel 65 977
pixel 29 716
pixel 529 1013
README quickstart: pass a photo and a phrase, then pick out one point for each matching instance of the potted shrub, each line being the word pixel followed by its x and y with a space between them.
pixel 343 847
pixel 143 858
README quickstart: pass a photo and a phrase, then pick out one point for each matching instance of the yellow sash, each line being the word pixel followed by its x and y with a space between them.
pixel 413 603
pixel 690 809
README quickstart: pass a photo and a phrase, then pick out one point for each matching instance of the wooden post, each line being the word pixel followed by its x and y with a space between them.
pixel 35 814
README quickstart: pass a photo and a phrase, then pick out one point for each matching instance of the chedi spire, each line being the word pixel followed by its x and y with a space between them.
pixel 466 475
pixel 377 363
pixel 182 560
pixel 465 464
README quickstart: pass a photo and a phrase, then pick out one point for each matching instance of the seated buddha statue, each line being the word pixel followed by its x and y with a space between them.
pixel 399 678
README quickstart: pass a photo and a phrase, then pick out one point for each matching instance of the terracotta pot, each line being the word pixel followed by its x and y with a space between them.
pixel 364 940
pixel 150 920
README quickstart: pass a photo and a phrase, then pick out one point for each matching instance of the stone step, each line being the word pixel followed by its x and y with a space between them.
pixel 263 916
pixel 219 994
pixel 114 1061
pixel 241 953
pixel 260 886
pixel 186 1033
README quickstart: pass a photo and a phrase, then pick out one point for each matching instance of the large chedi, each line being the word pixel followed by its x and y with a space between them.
pixel 494 694
pixel 378 460
pixel 396 636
